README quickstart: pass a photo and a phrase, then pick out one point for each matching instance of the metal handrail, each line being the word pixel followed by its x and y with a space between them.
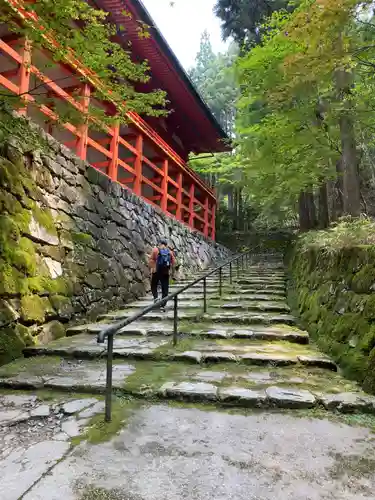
pixel 112 330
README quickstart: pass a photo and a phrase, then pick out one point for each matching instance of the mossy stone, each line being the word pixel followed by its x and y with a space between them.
pixel 12 281
pixel 7 313
pixel 25 334
pixel 81 238
pixel 51 331
pixel 33 309
pixel 24 257
pixel 62 305
pixel 11 346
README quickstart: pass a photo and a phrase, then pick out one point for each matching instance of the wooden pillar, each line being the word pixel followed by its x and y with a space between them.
pixel 164 186
pixel 138 165
pixel 213 222
pixel 81 149
pixel 191 205
pixel 113 166
pixel 179 196
pixel 24 74
pixel 206 219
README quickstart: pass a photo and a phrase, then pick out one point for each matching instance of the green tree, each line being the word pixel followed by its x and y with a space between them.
pixel 306 96
pixel 94 45
pixel 214 78
pixel 242 19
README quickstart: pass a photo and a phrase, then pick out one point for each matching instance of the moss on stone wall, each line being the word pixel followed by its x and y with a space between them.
pixel 25 280
pixel 69 246
pixel 333 291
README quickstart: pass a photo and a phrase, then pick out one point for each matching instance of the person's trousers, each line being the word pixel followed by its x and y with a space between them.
pixel 163 279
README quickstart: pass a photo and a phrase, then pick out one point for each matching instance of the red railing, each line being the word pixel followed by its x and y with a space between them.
pixel 135 156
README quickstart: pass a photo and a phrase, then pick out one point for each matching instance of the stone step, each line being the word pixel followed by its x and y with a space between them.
pixel 238 275
pixel 189 350
pixel 145 328
pixel 219 317
pixel 237 282
pixel 251 295
pixel 258 297
pixel 241 387
pixel 198 304
pixel 226 288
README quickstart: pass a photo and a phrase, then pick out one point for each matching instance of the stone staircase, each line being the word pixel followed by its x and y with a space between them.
pixel 245 352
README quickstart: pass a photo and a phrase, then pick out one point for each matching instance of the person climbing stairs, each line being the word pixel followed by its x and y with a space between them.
pixel 246 351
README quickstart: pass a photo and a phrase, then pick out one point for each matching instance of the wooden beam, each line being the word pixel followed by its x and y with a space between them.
pixel 191 205
pixel 213 222
pixel 164 186
pixel 81 149
pixel 138 165
pixel 24 74
pixel 113 166
pixel 179 196
pixel 205 216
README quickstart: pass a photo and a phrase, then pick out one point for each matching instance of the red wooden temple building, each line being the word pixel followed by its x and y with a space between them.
pixel 148 155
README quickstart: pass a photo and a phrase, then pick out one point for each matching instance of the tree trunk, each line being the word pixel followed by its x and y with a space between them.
pixel 307 212
pixel 235 209
pixel 230 200
pixel 337 193
pixel 349 158
pixel 310 203
pixel 323 206
pixel 304 216
pixel 240 210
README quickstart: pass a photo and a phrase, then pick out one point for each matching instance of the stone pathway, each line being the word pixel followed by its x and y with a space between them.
pixel 35 434
pixel 207 420
pixel 245 352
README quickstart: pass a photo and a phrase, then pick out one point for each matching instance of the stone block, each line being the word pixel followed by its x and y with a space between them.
pixel 50 331
pixel 62 305
pixel 283 397
pixel 41 411
pixel 190 356
pixel 41 235
pixel 242 397
pixel 192 391
pixel 78 405
pixel 348 402
pixel 8 313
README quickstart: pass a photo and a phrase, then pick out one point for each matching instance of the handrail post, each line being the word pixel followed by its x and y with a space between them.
pixel 175 326
pixel 230 273
pixel 108 388
pixel 205 295
pixel 238 268
pixel 221 281
pixel 243 263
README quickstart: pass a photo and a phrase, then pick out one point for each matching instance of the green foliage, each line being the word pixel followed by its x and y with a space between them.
pixel 214 77
pixel 312 73
pixel 243 19
pixel 95 46
pixel 345 233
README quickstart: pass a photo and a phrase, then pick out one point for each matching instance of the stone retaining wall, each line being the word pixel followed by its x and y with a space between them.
pixel 72 242
pixel 258 241
pixel 334 294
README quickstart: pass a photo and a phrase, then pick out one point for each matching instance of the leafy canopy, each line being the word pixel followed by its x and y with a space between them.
pixel 290 109
pixel 99 46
